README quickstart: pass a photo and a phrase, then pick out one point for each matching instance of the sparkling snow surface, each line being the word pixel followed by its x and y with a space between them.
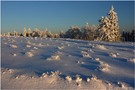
pixel 36 63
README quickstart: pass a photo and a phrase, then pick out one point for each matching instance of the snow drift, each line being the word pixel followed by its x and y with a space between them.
pixel 36 63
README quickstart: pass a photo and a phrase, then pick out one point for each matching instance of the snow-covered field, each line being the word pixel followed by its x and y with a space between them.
pixel 36 63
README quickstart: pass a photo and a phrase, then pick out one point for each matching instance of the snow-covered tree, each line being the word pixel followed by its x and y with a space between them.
pixel 62 34
pixel 108 27
pixel 49 34
pixel 88 32
pixel 8 34
pixel 24 32
pixel 74 32
pixel 44 34
pixel 15 33
pixel 36 33
pixel 29 32
pixel 55 35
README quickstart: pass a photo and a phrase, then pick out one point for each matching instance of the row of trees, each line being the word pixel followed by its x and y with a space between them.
pixel 107 30
pixel 35 33
pixel 86 33
pixel 38 33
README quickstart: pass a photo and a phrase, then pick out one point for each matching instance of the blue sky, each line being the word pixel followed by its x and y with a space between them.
pixel 60 15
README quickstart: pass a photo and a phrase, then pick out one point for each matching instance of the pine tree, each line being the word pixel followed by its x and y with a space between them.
pixel 8 34
pixel 109 28
pixel 29 32
pixel 24 32
pixel 44 34
pixel 15 33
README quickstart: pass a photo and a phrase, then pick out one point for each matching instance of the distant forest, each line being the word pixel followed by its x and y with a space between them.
pixel 128 36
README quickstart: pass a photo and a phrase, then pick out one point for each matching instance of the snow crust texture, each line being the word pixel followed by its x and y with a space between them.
pixel 37 63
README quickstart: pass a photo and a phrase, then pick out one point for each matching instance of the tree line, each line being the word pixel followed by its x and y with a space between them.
pixel 106 30
pixel 128 36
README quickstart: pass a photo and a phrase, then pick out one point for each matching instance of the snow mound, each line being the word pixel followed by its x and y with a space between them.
pixel 68 78
pixel 44 75
pixel 35 48
pixel 78 78
pixel 29 54
pixel 68 45
pixel 47 44
pixel 85 54
pixel 104 66
pixel 89 44
pixel 61 47
pixel 28 42
pixel 40 45
pixel 11 70
pixel 101 47
pixel 90 50
pixel 55 73
pixel 55 57
pixel 97 59
pixel 58 52
pixel 94 77
pixel 51 74
pixel 122 84
pixel 20 76
pixel 14 54
pixel 13 41
pixel 132 60
pixel 117 54
pixel 79 62
pixel 113 55
pixel 6 70
pixel 88 79
pixel 82 62
pixel 13 46
pixel 28 46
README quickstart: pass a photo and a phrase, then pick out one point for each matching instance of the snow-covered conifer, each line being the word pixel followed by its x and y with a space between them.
pixel 29 32
pixel 24 32
pixel 8 34
pixel 45 33
pixel 108 27
pixel 17 34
